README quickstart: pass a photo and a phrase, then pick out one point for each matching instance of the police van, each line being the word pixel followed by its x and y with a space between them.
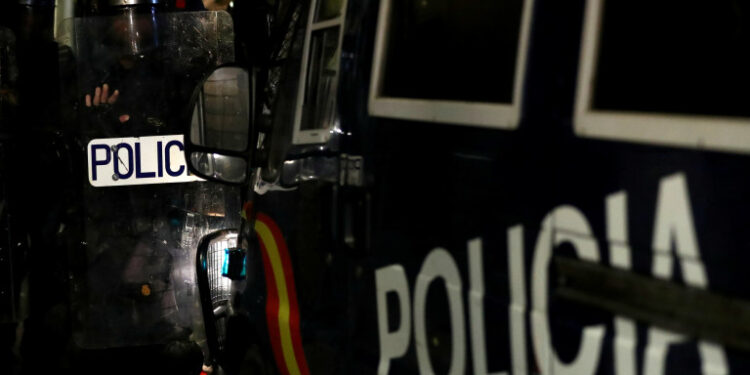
pixel 506 187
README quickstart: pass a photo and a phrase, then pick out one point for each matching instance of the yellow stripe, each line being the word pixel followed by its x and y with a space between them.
pixel 266 236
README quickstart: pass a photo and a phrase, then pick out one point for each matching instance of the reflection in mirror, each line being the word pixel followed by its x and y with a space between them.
pixel 221 117
pixel 220 167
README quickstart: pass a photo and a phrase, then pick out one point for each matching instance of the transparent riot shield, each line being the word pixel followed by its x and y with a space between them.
pixel 133 280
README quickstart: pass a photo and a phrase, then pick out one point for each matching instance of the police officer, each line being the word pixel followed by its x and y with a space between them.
pixel 131 63
pixel 133 86
pixel 41 154
pixel 12 267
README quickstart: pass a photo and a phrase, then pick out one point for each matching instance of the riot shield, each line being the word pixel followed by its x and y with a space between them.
pixel 134 277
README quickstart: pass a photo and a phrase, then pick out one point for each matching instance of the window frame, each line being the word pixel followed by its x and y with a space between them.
pixel 314 136
pixel 483 114
pixel 703 132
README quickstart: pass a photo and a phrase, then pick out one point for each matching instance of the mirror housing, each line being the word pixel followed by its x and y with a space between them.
pixel 220 137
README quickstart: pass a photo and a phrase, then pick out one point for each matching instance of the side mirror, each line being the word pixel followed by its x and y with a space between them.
pixel 219 142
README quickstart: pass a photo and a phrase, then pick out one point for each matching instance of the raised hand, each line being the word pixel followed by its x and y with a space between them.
pixel 102 97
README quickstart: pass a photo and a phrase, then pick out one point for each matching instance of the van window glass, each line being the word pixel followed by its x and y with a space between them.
pixel 670 56
pixel 319 107
pixel 453 50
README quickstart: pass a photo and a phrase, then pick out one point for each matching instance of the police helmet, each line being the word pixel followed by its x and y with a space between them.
pixel 134 28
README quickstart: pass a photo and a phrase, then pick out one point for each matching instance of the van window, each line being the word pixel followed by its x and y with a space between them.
pixel 668 72
pixel 316 113
pixel 322 69
pixel 453 50
pixel 672 56
pixel 450 61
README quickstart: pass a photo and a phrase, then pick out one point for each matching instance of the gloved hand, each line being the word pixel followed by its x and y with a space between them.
pixel 102 101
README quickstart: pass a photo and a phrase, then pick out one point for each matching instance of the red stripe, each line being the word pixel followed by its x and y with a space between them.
pixel 272 311
pixel 294 316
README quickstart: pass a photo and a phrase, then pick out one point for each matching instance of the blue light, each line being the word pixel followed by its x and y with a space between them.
pixel 234 264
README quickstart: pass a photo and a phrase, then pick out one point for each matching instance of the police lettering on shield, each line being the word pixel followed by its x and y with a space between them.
pixel 138 161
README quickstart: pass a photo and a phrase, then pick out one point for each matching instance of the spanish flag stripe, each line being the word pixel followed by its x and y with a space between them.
pixel 292 290
pixel 282 317
pixel 272 309
pixel 288 343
